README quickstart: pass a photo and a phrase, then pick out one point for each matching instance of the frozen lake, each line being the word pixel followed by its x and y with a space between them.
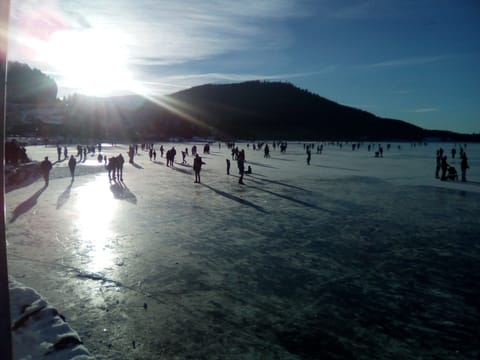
pixel 349 257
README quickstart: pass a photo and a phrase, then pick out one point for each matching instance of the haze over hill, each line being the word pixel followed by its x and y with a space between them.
pixel 248 110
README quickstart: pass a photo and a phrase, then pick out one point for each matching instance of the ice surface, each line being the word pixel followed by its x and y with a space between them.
pixel 351 256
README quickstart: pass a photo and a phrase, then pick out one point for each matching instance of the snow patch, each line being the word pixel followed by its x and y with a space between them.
pixel 38 330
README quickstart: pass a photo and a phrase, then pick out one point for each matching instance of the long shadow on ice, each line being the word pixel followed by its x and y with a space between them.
pixel 63 198
pixel 236 198
pixel 262 165
pixel 26 205
pixel 250 179
pixel 300 202
pixel 181 170
pixel 336 168
pixel 279 158
pixel 137 166
pixel 279 183
pixel 120 191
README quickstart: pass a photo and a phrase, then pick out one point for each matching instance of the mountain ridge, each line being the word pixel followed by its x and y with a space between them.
pixel 252 109
pixel 283 110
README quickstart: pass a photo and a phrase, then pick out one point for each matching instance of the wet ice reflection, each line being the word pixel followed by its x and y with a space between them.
pixel 95 208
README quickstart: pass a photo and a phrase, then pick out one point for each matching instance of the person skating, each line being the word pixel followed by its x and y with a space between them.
pixel 464 166
pixel 241 165
pixel 438 164
pixel 197 167
pixel 444 168
pixel 119 166
pixel 72 163
pixel 45 167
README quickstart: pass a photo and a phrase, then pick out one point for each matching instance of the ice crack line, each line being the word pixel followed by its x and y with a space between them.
pixel 87 275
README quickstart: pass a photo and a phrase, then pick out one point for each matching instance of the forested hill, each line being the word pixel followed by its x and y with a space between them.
pixel 27 85
pixel 258 109
pixel 248 110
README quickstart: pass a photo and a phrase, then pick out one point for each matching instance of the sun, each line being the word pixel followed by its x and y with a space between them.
pixel 90 62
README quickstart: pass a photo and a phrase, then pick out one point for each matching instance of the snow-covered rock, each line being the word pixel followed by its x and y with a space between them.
pixel 39 331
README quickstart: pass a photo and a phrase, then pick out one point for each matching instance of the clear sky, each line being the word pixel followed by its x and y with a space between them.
pixel 415 60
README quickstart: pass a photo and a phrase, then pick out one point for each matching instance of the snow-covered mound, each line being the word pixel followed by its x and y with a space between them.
pixel 39 331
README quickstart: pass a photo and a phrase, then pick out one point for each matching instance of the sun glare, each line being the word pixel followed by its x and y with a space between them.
pixel 96 208
pixel 90 62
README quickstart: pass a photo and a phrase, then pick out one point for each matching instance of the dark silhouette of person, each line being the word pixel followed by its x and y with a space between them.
pixel 309 156
pixel 444 168
pixel 464 166
pixel 438 162
pixel 119 166
pixel 167 156
pixel 131 154
pixel 228 166
pixel 72 163
pixel 112 164
pixel 266 151
pixel 45 167
pixel 59 152
pixel 454 151
pixel 197 167
pixel 241 165
pixel 173 153
pixel 206 148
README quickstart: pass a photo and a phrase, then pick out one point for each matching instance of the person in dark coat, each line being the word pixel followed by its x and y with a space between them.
pixel 72 163
pixel 464 166
pixel 438 162
pixel 444 168
pixel 119 166
pixel 197 166
pixel 112 167
pixel 241 165
pixel 45 167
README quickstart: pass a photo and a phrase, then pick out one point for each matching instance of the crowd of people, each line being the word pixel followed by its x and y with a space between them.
pixel 448 171
pixel 444 170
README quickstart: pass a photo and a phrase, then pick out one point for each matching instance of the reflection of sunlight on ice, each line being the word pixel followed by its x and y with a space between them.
pixel 95 209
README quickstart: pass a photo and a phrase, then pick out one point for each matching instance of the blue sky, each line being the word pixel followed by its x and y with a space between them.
pixel 418 61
